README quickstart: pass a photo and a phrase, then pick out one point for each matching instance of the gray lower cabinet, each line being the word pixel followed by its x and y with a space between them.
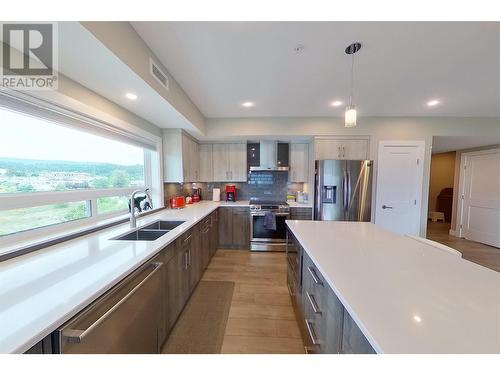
pixel 177 285
pixel 325 325
pixel 234 228
pixel 300 213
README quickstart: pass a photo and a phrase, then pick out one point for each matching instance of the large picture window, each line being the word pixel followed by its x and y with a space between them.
pixel 53 173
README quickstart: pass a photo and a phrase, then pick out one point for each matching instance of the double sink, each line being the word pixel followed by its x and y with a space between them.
pixel 150 232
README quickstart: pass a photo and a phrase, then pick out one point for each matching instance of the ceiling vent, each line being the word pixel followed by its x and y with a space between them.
pixel 158 74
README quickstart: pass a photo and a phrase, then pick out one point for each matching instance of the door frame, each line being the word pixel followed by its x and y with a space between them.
pixel 420 145
pixel 461 185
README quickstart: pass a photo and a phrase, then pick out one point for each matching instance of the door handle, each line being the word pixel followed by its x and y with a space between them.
pixel 338 148
pixel 343 151
pixel 384 207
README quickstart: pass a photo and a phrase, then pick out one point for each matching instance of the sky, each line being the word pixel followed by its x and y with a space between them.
pixel 26 137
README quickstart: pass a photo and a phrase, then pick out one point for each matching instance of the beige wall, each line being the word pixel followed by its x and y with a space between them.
pixel 442 176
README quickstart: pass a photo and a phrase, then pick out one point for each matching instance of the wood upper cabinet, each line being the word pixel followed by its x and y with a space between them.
pixel 238 161
pixel 229 162
pixel 341 148
pixel 299 162
pixel 180 157
pixel 205 163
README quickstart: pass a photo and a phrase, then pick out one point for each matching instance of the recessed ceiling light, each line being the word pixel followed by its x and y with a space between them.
pixel 417 318
pixel 248 104
pixel 433 103
pixel 336 103
pixel 131 96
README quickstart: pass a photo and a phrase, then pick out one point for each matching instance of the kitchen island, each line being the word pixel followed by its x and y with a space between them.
pixel 404 296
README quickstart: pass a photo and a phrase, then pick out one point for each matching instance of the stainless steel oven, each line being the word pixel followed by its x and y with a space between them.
pixel 262 238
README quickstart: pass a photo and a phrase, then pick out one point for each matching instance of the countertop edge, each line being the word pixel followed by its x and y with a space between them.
pixel 339 295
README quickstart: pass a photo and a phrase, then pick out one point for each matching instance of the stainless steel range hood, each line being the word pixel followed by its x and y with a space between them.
pixel 269 161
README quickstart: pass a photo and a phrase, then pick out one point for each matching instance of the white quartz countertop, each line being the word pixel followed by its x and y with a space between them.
pixel 405 296
pixel 41 290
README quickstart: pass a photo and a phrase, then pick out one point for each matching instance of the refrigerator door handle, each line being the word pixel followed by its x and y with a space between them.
pixel 344 190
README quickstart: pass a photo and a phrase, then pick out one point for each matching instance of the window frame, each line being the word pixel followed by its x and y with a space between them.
pixel 153 173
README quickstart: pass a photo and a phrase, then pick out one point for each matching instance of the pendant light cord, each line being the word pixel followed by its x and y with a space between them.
pixel 352 81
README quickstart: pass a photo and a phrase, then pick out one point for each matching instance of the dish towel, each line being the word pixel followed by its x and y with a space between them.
pixel 270 220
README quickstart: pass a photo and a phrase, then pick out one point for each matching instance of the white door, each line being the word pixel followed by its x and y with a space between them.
pixel 399 186
pixel 481 197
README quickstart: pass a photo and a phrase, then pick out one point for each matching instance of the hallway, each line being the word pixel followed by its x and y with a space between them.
pixel 487 256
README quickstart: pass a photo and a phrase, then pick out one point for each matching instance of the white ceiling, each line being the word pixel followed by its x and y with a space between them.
pixel 400 66
pixel 456 143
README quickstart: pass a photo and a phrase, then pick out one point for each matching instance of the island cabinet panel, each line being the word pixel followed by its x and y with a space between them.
pixel 326 326
pixel 353 340
pixel 234 228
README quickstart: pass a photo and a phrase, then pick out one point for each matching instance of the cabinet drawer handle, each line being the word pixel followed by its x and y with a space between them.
pixel 314 275
pixel 188 238
pixel 313 303
pixel 312 334
pixel 308 350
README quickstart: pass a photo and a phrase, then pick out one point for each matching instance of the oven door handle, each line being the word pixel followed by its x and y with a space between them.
pixel 263 213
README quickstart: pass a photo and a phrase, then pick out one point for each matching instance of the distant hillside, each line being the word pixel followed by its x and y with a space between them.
pixel 30 167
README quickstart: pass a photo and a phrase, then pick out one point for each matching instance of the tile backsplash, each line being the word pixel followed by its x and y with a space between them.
pixel 260 184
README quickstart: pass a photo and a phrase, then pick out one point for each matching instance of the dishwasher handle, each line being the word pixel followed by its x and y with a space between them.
pixel 75 336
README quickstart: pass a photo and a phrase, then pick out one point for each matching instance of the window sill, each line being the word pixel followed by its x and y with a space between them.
pixel 24 247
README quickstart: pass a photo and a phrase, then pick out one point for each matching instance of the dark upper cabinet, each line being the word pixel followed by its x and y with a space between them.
pixel 253 154
pixel 283 159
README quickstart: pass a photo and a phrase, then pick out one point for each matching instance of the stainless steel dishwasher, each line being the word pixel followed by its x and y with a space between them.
pixel 124 320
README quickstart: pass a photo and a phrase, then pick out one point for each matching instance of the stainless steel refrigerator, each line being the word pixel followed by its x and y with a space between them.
pixel 343 190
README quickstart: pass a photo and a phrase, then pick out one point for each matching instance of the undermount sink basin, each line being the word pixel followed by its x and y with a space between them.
pixel 163 225
pixel 142 235
pixel 150 232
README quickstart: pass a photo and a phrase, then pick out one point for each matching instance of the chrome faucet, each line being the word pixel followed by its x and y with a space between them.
pixel 132 205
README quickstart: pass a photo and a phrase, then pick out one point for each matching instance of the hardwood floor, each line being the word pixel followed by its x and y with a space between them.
pixel 261 318
pixel 487 256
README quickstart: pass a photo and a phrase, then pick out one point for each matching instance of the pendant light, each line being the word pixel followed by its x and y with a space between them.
pixel 350 112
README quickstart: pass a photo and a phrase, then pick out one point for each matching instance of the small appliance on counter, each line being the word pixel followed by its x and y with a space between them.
pixel 301 197
pixel 189 200
pixel 196 195
pixel 177 202
pixel 216 195
pixel 230 193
